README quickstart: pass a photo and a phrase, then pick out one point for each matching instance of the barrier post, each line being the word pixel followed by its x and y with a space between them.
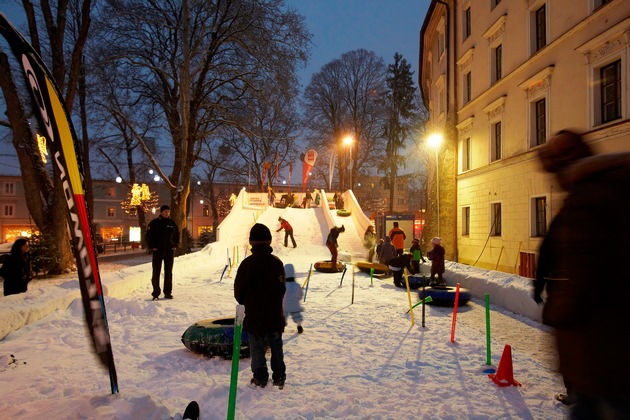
pixel 413 321
pixel 236 354
pixel 488 350
pixel 455 313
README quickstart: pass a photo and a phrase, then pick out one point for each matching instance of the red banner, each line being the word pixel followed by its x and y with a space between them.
pixel 309 161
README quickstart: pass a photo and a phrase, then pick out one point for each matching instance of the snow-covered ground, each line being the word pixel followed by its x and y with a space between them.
pixel 360 355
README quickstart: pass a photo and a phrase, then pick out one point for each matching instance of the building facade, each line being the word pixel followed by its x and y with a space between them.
pixel 499 77
pixel 110 220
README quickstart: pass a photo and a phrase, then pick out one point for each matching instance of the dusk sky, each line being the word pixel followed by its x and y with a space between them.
pixel 340 26
pixel 382 26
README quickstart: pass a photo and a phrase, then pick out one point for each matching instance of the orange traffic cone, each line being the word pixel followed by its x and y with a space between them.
pixel 504 375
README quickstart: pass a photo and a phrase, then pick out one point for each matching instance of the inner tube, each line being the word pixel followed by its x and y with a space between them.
pixel 343 212
pixel 366 266
pixel 214 337
pixel 445 295
pixel 326 267
pixel 416 281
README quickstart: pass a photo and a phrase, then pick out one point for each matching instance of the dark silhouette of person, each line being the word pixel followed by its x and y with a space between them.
pixel 162 239
pixel 16 269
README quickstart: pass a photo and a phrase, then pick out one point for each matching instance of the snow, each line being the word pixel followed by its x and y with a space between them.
pixel 360 355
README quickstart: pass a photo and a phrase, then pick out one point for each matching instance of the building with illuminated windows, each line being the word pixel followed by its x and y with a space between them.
pixel 499 77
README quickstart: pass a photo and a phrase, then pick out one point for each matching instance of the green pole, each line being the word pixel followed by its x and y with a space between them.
pixel 488 330
pixel 372 276
pixel 236 354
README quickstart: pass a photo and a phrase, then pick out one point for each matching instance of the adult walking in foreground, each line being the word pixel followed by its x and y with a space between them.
pixel 162 239
pixel 582 257
pixel 16 269
pixel 288 231
pixel 260 285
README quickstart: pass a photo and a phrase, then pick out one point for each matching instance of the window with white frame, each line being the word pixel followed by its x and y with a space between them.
pixel 610 91
pixel 9 210
pixel 9 188
pixel 441 38
pixel 495 219
pixel 496 147
pixel 466 221
pixel 466 23
pixel 494 36
pixel 467 87
pixel 539 216
pixel 464 133
pixel 538 29
pixel 497 63
pixel 606 57
pixel 466 154
pixel 537 89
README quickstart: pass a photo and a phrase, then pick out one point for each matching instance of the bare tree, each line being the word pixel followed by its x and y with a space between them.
pixel 344 98
pixel 63 54
pixel 198 60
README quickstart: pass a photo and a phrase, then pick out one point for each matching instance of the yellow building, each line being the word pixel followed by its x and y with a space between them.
pixel 499 77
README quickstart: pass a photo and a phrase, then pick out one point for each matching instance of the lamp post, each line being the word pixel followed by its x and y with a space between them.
pixel 435 140
pixel 348 142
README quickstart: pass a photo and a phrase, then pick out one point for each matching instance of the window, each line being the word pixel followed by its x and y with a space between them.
pixel 495 229
pixel 466 23
pixel 497 141
pixel 465 221
pixel 541 28
pixel 494 3
pixel 610 76
pixel 541 121
pixel 467 87
pixel 599 3
pixel 110 191
pixel 539 213
pixel 206 211
pixel 497 58
pixel 466 155
pixel 9 210
pixel 9 188
pixel 111 212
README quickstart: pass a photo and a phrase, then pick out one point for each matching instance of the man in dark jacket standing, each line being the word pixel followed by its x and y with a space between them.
pixel 331 243
pixel 162 239
pixel 260 286
pixel 581 267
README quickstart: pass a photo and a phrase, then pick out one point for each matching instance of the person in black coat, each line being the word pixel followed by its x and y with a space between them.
pixel 331 243
pixel 16 270
pixel 260 285
pixel 162 239
pixel 398 264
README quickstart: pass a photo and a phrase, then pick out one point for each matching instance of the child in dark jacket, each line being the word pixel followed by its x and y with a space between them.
pixel 436 255
pixel 397 265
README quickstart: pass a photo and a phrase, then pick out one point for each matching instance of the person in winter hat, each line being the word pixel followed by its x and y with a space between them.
pixel 387 251
pixel 416 251
pixel 594 216
pixel 260 285
pixel 436 255
pixel 292 299
pixel 369 242
pixel 162 239
pixel 397 235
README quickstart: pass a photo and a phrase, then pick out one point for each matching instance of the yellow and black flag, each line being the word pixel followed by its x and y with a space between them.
pixel 56 126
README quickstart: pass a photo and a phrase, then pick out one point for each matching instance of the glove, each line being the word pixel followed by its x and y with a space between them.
pixel 537 298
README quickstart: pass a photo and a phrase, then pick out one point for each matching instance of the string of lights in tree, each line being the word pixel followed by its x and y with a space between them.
pixel 139 198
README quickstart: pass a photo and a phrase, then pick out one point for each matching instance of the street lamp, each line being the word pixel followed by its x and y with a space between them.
pixel 348 142
pixel 435 140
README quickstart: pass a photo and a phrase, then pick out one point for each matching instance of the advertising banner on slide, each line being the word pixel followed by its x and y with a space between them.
pixel 55 124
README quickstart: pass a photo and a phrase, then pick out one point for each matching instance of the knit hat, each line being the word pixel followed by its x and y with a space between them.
pixel 343 228
pixel 436 240
pixel 289 272
pixel 416 240
pixel 562 150
pixel 164 207
pixel 259 235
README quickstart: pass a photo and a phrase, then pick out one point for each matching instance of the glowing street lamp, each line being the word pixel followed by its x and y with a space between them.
pixel 348 142
pixel 435 140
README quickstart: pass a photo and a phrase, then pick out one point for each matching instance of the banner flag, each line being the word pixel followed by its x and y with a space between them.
pixel 309 161
pixel 61 138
